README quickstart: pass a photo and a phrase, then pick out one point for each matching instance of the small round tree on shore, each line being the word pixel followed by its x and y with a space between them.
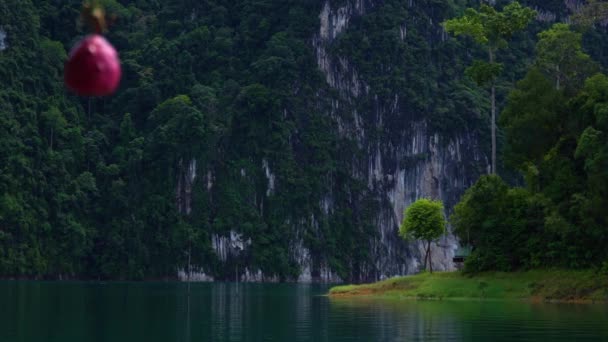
pixel 424 221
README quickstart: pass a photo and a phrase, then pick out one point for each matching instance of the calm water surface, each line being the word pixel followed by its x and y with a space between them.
pixel 41 311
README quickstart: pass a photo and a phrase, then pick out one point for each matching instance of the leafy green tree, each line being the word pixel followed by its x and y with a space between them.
pixel 54 125
pixel 532 121
pixel 424 221
pixel 178 130
pixel 503 225
pixel 559 53
pixel 537 115
pixel 492 29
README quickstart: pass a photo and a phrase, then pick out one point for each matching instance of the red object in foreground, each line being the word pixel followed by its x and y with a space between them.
pixel 93 67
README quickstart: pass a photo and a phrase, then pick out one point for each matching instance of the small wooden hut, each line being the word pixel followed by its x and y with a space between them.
pixel 461 255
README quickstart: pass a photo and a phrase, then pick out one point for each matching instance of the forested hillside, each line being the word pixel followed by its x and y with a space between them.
pixel 268 139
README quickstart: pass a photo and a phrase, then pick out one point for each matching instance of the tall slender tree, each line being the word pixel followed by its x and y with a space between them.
pixel 492 29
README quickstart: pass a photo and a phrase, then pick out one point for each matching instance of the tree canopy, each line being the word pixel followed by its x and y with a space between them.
pixel 424 220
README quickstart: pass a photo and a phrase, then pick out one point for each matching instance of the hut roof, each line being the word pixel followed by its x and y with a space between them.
pixel 463 251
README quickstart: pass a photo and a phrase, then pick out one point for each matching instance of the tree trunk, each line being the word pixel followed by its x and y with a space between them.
pixel 493 129
pixel 189 264
pixel 493 100
pixel 430 259
pixel 426 256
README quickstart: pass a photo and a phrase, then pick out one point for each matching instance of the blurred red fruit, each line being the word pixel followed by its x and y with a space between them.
pixel 93 67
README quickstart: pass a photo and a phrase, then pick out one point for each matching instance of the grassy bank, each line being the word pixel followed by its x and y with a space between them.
pixel 538 285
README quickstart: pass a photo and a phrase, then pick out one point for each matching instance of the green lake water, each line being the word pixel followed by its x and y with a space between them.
pixel 74 311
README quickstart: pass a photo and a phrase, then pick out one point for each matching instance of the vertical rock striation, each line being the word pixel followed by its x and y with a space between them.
pixel 418 163
pixel 401 159
pixel 185 182
pixel 3 44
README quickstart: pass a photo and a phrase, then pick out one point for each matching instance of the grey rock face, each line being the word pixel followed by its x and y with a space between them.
pixel 3 44
pixel 413 163
pixel 185 181
pixel 434 167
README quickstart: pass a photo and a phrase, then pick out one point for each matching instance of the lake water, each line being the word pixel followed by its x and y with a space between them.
pixel 47 311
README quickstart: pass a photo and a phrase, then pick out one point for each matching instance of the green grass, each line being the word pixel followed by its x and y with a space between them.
pixel 542 285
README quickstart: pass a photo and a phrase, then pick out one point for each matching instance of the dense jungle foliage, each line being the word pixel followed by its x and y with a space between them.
pixel 93 187
pixel 89 185
pixel 556 125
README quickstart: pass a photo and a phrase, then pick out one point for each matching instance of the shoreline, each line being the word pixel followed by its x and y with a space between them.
pixel 157 280
pixel 536 286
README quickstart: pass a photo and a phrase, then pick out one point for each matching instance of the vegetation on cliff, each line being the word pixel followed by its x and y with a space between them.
pixel 100 187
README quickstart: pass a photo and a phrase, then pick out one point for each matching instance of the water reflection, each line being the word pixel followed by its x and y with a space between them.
pixel 250 312
pixel 31 311
pixel 479 321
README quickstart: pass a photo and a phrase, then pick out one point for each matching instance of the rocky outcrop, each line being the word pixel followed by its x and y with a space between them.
pixel 415 162
pixel 420 164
